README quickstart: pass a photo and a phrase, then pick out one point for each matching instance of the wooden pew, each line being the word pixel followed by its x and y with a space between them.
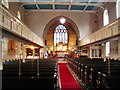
pixel 28 77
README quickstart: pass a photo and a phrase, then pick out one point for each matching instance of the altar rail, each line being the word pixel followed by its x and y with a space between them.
pixel 108 31
pixel 14 25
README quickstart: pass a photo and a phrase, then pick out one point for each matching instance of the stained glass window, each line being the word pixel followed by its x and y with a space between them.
pixel 60 35
pixel 118 8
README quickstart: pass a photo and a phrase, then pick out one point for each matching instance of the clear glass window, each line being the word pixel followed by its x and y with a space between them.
pixel 118 8
pixel 105 17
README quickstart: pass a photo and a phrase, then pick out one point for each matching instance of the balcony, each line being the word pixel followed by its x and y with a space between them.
pixel 109 31
pixel 12 24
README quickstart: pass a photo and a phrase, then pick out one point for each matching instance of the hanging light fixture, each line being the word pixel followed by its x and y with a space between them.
pixel 62 20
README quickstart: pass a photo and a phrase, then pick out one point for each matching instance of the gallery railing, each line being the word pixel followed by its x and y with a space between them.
pixel 11 23
pixel 108 31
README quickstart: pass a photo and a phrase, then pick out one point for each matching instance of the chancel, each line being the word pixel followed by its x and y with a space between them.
pixel 60 44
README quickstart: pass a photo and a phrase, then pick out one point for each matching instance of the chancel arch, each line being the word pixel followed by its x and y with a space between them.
pixel 61 38
pixel 56 19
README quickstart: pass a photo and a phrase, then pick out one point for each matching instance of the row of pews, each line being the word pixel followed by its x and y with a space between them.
pixel 96 73
pixel 32 74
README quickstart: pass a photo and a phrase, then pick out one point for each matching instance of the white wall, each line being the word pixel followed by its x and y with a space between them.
pixel 37 21
pixel 111 7
pixel 93 23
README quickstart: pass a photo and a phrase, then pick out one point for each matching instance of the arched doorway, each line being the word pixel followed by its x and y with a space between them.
pixel 60 39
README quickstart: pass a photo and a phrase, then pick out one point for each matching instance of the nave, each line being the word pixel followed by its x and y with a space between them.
pixel 78 74
pixel 30 75
pixel 60 44
pixel 38 74
pixel 96 73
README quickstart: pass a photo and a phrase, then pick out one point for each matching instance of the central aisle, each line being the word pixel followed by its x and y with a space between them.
pixel 67 81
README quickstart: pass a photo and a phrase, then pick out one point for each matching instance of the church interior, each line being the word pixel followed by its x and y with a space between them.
pixel 60 44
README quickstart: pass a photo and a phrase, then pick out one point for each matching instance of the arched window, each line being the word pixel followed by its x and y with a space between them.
pixel 105 17
pixel 118 8
pixel 5 3
pixel 18 15
pixel 60 35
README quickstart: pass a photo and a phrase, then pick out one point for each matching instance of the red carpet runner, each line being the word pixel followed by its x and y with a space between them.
pixel 66 79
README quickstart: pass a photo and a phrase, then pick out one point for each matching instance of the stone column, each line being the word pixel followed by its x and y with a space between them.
pixel 104 52
pixel 98 51
pixel 119 48
pixel 94 51
pixel 33 53
pixel 1 64
pixel 23 52
pixel 39 53
pixel 90 52
pixel 18 49
pixel 119 37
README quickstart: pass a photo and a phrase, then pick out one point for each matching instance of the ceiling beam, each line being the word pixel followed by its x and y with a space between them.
pixel 65 3
pixel 70 5
pixel 48 10
pixel 53 5
pixel 87 5
pixel 36 4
